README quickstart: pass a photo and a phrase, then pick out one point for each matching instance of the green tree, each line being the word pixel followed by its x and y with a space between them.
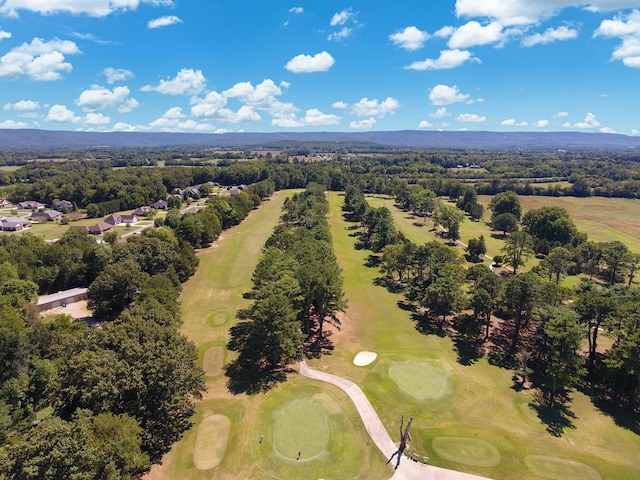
pixel 517 249
pixel 556 348
pixel 476 248
pixel 451 218
pixel 115 289
pixel 520 299
pixel 506 202
pixel 595 308
pixel 614 255
pixel 505 223
pixel 557 262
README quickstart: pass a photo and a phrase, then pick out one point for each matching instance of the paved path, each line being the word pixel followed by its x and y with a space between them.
pixel 408 469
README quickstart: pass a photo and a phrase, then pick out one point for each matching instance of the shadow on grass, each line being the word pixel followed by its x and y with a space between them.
pixel 391 285
pixel 373 261
pixel 427 325
pixel 625 415
pixel 317 345
pixel 247 377
pixel 557 416
pixel 469 349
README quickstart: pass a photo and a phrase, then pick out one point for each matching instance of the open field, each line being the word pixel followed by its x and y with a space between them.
pixel 467 418
pixel 602 219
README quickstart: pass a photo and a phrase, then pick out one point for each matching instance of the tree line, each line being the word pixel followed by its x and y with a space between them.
pixel 530 322
pixel 296 292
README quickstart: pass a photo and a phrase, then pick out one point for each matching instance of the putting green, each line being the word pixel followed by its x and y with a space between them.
pixel 217 319
pixel 420 380
pixel 468 451
pixel 560 469
pixel 213 361
pixel 301 426
pixel 211 442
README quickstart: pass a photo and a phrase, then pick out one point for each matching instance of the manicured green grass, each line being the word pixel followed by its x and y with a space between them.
pixel 482 405
pixel 211 441
pixel 559 469
pixel 209 302
pixel 469 451
pixel 420 380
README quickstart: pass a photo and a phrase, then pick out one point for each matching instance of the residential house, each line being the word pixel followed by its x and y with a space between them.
pixel 177 192
pixel 114 219
pixel 4 203
pixel 14 224
pixel 142 210
pixel 193 192
pixel 30 205
pixel 100 228
pixel 160 205
pixel 129 219
pixel 44 216
pixel 64 206
pixel 234 191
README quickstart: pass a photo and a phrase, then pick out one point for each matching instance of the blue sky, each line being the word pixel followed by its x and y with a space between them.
pixel 262 66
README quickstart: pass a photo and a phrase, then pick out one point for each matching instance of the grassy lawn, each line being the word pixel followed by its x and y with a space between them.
pixel 467 418
pixel 339 446
pixel 477 413
pixel 602 219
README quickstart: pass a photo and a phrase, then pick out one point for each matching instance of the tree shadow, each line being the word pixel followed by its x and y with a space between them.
pixel 373 261
pixel 625 416
pixel 247 377
pixel 317 345
pixel 427 325
pixel 391 285
pixel 469 349
pixel 557 416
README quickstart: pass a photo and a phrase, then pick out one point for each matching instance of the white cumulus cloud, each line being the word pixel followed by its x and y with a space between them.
pixel 23 106
pixel 164 21
pixel 99 98
pixel 320 62
pixel 589 122
pixel 114 75
pixel 471 117
pixel 296 10
pixel 441 112
pixel 511 122
pixel 12 125
pixel 313 117
pixel 447 59
pixel 341 18
pixel 425 124
pixel 187 82
pixel 541 124
pixel 344 32
pixel 94 8
pixel 61 114
pixel 627 29
pixel 446 95
pixel 550 35
pixel 473 33
pixel 411 38
pixel 367 124
pixel 38 60
pixel 375 108
pixel 4 34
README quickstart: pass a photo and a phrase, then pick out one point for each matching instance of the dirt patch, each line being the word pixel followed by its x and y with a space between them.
pixel 78 310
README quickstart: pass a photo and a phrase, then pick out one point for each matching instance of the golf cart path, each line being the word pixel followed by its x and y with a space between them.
pixel 408 469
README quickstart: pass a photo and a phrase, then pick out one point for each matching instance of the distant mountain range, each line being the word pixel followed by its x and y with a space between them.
pixel 52 139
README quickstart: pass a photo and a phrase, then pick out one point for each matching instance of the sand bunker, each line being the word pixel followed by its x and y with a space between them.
pixel 211 442
pixel 364 358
